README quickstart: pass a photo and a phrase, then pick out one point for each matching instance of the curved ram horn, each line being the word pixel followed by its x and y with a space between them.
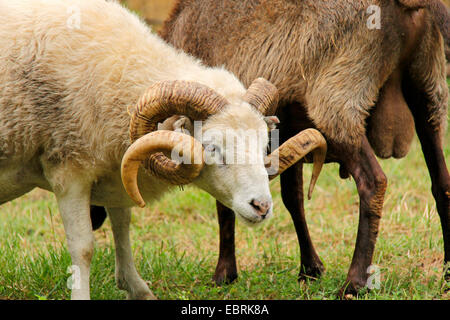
pixel 262 95
pixel 161 143
pixel 290 152
pixel 168 98
pixel 161 101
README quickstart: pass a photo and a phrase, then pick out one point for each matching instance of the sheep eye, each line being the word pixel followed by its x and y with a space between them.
pixel 214 153
pixel 212 148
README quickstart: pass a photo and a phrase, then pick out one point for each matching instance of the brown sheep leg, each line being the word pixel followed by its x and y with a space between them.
pixel 431 142
pixel 226 271
pixel 292 194
pixel 293 120
pixel 371 183
pixel 440 179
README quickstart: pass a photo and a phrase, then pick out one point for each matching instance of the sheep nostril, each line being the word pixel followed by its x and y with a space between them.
pixel 262 207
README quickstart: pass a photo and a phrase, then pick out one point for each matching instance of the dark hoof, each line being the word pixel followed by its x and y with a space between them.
pixel 224 275
pixel 447 287
pixel 221 279
pixel 311 272
pixel 447 278
pixel 98 216
pixel 351 290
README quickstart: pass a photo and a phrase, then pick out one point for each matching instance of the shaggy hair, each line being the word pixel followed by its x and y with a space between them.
pixel 56 81
pixel 335 65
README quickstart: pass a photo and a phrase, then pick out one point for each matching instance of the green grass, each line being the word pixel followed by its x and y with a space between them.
pixel 175 244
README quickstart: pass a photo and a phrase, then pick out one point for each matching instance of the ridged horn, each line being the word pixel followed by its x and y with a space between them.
pixel 263 95
pixel 161 101
pixel 160 143
pixel 168 98
pixel 290 152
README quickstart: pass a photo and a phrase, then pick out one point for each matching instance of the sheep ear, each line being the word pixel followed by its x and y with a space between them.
pixel 183 125
pixel 177 123
pixel 272 122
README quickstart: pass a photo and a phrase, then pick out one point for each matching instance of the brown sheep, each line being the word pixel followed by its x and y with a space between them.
pixel 337 74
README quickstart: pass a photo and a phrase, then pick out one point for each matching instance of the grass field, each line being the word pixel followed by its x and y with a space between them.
pixel 176 244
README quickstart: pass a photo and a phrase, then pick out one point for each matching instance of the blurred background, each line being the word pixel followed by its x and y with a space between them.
pixel 154 11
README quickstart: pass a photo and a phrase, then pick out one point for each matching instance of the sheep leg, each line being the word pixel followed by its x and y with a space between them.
pixel 440 180
pixel 226 271
pixel 431 141
pixel 292 195
pixel 73 203
pixel 127 278
pixel 293 120
pixel 371 183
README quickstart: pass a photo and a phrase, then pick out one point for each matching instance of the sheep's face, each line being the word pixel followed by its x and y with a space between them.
pixel 235 142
